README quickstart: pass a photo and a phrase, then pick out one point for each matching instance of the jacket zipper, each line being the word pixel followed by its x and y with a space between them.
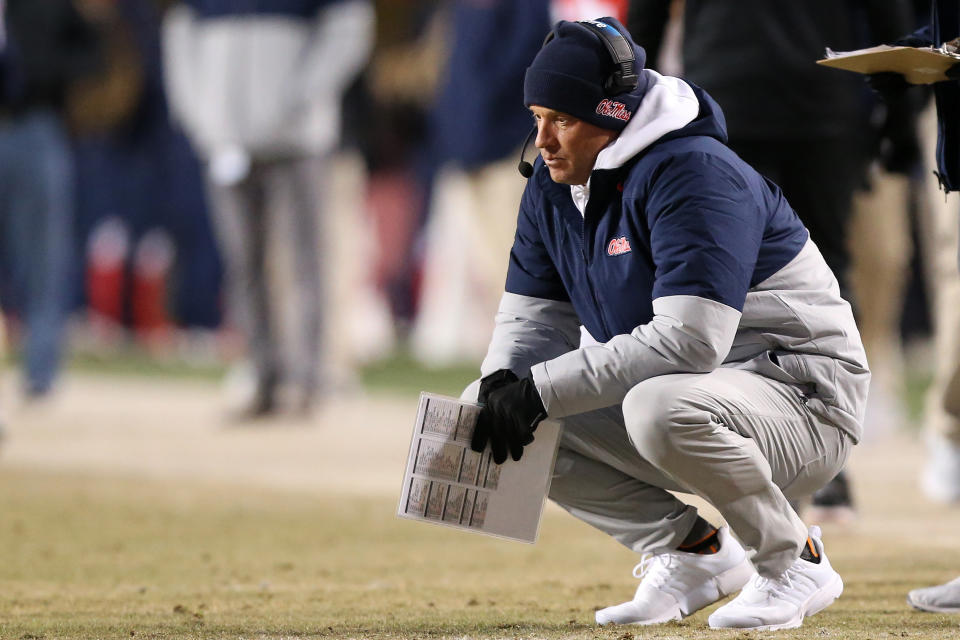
pixel 586 271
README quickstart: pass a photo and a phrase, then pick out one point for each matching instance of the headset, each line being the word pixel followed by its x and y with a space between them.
pixel 622 79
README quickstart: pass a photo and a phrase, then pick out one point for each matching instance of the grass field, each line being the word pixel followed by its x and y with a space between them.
pixel 130 509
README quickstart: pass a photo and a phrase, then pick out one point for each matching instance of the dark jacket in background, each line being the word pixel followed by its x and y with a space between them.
pixel 52 45
pixel 479 116
pixel 767 51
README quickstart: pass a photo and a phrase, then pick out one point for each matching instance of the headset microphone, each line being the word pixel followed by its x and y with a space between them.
pixel 524 167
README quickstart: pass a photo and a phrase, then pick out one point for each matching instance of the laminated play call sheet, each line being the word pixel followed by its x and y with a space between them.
pixel 448 483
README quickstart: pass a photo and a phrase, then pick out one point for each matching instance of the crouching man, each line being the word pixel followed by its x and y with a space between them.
pixel 718 357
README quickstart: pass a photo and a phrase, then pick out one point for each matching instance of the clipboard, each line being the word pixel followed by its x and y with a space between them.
pixel 919 65
pixel 447 483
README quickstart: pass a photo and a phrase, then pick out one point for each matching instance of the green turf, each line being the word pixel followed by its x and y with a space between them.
pixel 402 373
pixel 915 385
pixel 399 372
pixel 140 363
pixel 83 557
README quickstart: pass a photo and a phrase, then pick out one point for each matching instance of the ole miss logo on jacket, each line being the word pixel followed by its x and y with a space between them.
pixel 618 246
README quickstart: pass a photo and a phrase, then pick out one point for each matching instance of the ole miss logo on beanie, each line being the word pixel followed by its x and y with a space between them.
pixel 618 110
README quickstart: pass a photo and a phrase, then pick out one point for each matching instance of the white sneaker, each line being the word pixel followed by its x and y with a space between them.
pixel 781 603
pixel 675 584
pixel 944 598
pixel 940 479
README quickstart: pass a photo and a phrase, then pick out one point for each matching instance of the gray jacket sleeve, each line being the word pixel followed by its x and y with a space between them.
pixel 528 331
pixel 687 334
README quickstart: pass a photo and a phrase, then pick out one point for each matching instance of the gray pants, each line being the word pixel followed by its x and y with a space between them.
pixel 743 442
pixel 278 195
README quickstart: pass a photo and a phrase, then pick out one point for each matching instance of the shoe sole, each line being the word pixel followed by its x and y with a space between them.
pixel 929 608
pixel 676 614
pixel 727 582
pixel 816 603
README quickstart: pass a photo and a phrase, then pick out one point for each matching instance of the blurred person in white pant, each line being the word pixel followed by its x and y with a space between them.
pixel 941 477
pixel 258 87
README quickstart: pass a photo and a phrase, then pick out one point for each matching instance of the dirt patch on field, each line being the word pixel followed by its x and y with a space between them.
pixel 172 428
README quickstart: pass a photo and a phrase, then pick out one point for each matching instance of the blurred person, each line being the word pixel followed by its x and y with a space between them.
pixel 881 250
pixel 881 242
pixel 939 239
pixel 941 477
pixel 257 87
pixel 48 48
pixel 135 172
pixel 389 116
pixel 726 362
pixel 800 125
pixel 468 234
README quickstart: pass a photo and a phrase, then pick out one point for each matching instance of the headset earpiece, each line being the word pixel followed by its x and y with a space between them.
pixel 624 77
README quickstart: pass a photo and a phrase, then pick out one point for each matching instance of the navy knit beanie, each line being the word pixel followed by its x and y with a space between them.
pixel 568 72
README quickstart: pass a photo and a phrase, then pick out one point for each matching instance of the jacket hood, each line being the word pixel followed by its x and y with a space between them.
pixel 671 108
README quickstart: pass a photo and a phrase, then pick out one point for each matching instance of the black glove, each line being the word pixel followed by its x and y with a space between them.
pixel 510 415
pixel 495 380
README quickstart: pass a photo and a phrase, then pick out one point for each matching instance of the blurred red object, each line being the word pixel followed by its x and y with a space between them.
pixel 152 263
pixel 588 9
pixel 107 250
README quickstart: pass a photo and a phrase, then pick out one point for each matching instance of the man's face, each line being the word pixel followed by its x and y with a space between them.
pixel 568 146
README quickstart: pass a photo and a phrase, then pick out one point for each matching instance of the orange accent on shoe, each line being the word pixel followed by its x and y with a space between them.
pixel 813 549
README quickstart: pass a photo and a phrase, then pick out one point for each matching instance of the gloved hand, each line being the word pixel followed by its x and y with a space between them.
pixel 495 380
pixel 510 415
